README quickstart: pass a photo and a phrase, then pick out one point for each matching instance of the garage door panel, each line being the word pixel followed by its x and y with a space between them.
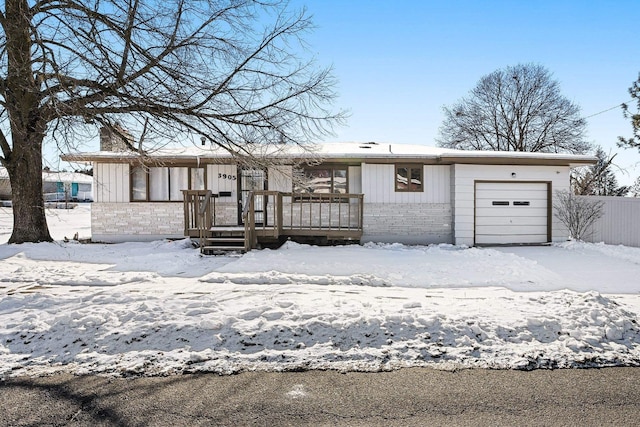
pixel 510 239
pixel 510 186
pixel 511 212
pixel 520 204
pixel 501 230
pixel 521 220
pixel 540 194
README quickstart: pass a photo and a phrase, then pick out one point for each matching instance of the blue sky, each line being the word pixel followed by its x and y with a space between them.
pixel 399 62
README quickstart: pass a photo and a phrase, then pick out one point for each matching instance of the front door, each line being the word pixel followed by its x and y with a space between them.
pixel 252 180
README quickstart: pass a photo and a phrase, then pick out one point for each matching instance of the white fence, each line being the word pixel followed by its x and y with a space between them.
pixel 620 224
pixel 82 196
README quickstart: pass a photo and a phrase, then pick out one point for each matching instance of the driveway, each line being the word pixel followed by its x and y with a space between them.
pixel 587 267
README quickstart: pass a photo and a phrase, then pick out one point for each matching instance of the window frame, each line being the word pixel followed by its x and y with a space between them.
pixel 410 167
pixel 331 167
pixel 146 170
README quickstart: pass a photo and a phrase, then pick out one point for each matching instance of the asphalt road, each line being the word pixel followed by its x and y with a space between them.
pixel 408 397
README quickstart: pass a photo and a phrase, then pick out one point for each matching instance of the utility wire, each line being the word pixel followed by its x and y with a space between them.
pixel 608 109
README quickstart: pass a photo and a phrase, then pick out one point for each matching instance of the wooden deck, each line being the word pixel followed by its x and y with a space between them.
pixel 271 217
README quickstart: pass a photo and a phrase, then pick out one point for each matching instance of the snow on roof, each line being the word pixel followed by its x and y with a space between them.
pixel 57 176
pixel 80 178
pixel 339 150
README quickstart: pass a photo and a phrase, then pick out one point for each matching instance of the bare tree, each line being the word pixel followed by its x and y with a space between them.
pixel 577 213
pixel 634 140
pixel 232 71
pixel 598 179
pixel 518 108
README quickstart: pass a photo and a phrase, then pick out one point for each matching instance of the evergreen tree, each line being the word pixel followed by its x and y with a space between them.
pixel 598 179
pixel 634 189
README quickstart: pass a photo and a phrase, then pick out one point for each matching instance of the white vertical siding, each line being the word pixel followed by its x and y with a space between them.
pixel 378 185
pixel 223 178
pixel 111 182
pixel 619 224
pixel 279 178
pixel 355 179
pixel 466 175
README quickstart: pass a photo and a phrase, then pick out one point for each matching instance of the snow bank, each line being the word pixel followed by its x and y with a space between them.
pixel 161 308
pixel 293 327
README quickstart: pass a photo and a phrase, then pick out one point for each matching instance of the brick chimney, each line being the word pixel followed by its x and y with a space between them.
pixel 112 141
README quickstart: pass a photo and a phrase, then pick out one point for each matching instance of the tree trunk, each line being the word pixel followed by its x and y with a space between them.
pixel 25 175
pixel 24 160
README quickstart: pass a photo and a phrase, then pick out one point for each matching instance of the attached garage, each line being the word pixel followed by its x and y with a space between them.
pixel 512 212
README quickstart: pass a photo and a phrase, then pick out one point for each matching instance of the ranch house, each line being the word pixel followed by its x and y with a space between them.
pixel 339 192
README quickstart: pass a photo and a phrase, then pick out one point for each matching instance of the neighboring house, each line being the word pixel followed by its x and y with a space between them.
pixel 56 186
pixel 5 186
pixel 345 191
pixel 67 186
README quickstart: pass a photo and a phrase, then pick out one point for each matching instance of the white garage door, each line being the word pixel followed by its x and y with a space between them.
pixel 513 212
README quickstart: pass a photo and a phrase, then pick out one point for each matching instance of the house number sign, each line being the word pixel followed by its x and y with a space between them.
pixel 227 176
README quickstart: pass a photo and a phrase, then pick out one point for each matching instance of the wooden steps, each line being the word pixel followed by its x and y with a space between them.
pixel 221 240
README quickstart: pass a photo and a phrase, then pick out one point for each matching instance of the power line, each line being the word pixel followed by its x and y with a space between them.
pixel 608 109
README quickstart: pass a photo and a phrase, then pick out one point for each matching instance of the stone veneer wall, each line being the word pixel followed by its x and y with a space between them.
pixel 411 224
pixel 421 223
pixel 120 222
pixel 226 213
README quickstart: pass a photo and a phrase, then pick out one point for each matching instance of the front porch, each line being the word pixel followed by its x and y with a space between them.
pixel 270 217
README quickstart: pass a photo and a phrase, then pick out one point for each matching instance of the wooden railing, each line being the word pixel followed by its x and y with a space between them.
pixel 249 220
pixel 305 213
pixel 322 211
pixel 199 212
pixel 272 214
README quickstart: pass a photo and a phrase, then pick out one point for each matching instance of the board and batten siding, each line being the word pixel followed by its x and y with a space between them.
pixel 355 179
pixel 223 178
pixel 465 176
pixel 111 182
pixel 378 185
pixel 406 217
pixel 279 178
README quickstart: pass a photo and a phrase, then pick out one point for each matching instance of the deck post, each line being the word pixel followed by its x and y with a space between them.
pixel 279 213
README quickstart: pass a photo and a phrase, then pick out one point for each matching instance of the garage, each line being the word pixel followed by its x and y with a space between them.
pixel 511 212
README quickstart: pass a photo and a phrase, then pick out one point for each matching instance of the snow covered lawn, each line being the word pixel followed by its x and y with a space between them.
pixel 160 308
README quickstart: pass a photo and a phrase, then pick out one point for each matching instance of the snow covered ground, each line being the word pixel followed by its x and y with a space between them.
pixel 161 308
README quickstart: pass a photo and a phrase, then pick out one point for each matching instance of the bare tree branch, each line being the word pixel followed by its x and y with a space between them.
pixel 577 213
pixel 165 70
pixel 516 109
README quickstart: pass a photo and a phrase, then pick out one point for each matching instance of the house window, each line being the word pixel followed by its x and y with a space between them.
pixel 323 179
pixel 197 179
pixel 409 178
pixel 139 184
pixel 164 184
